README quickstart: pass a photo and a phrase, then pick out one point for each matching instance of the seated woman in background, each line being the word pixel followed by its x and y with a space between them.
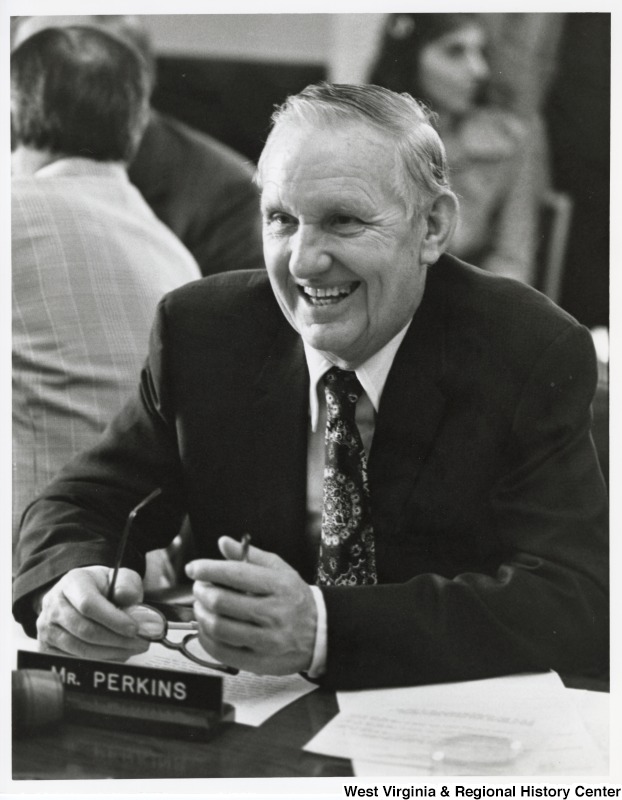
pixel 497 164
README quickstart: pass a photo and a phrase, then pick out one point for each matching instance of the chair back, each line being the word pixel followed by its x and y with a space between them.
pixel 554 227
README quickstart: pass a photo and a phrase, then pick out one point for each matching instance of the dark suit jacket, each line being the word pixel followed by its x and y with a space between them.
pixel 203 191
pixel 488 505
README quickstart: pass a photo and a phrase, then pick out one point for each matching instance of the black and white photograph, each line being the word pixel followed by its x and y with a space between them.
pixel 309 479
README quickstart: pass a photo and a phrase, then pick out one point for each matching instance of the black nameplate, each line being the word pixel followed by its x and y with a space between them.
pixel 127 682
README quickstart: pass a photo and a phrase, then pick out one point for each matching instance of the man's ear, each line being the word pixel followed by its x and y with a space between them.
pixel 440 222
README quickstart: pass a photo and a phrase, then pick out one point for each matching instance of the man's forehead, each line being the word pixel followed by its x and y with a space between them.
pixel 337 194
pixel 352 152
pixel 295 133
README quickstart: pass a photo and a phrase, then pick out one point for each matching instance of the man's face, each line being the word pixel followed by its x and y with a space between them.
pixel 343 254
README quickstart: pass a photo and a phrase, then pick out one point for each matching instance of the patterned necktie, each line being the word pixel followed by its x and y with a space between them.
pixel 347 554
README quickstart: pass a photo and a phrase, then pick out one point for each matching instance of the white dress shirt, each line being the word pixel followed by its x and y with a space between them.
pixel 373 375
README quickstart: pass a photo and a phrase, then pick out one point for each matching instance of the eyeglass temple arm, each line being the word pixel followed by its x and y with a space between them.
pixel 124 538
pixel 200 662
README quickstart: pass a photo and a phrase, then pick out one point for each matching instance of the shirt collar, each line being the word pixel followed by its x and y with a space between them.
pixel 371 373
pixel 82 166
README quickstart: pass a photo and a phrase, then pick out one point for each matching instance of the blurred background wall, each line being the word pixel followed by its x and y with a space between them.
pixel 284 48
pixel 342 43
pixel 224 73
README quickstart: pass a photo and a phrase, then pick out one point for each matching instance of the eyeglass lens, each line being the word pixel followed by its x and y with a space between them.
pixel 153 626
pixel 151 623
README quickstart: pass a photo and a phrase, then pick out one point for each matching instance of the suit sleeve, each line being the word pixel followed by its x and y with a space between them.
pixel 79 518
pixel 546 605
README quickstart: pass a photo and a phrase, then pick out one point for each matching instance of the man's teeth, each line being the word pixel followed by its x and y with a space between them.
pixel 326 295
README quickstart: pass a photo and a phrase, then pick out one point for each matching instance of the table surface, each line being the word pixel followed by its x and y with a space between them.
pixel 274 749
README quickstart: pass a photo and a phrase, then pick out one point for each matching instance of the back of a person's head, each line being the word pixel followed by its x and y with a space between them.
pixel 77 91
pixel 127 27
pixel 407 124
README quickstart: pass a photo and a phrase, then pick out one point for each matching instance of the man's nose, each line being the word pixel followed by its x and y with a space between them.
pixel 309 254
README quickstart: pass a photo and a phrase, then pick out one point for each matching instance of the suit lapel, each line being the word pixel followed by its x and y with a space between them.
pixel 411 408
pixel 281 415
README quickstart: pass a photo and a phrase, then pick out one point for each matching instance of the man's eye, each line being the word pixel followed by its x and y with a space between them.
pixel 279 220
pixel 344 221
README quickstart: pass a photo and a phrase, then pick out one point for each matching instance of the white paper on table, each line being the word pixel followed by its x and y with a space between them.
pixel 527 685
pixel 255 697
pixel 395 731
pixel 593 708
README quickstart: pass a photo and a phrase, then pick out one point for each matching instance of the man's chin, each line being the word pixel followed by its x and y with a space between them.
pixel 332 343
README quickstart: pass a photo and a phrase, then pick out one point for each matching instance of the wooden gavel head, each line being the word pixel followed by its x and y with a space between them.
pixel 38 698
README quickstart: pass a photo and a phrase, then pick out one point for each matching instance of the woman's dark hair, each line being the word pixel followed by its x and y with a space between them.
pixel 403 39
pixel 80 92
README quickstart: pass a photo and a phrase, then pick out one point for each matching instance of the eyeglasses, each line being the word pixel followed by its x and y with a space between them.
pixel 154 623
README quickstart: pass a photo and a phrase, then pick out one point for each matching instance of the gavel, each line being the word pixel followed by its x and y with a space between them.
pixel 38 699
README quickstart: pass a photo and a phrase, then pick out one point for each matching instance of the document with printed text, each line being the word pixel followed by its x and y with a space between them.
pixel 519 725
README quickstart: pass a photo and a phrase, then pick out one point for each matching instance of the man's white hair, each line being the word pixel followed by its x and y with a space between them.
pixel 421 172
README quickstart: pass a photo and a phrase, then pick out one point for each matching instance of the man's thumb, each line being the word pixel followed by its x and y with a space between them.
pixel 233 551
pixel 128 589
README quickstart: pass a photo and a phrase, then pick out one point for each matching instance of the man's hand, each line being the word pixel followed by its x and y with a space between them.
pixel 257 615
pixel 77 619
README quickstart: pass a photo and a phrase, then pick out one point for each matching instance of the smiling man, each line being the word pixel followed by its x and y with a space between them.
pixel 405 437
pixel 347 253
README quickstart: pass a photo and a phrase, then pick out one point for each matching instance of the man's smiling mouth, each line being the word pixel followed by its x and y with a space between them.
pixel 327 295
